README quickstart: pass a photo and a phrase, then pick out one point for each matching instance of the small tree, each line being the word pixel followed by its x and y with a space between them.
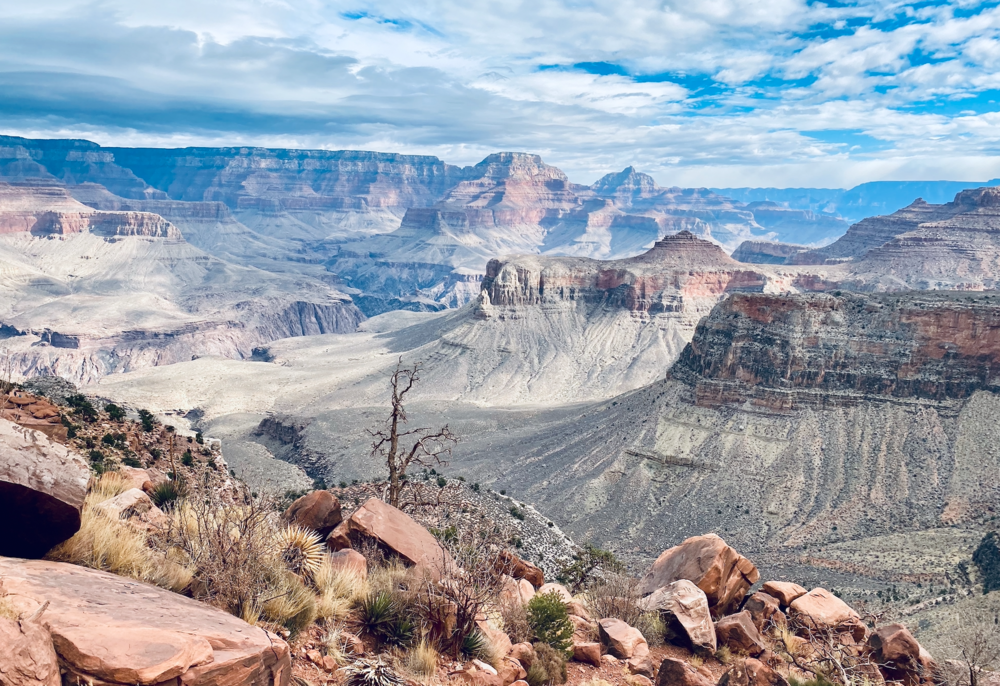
pixel 548 617
pixel 975 643
pixel 393 444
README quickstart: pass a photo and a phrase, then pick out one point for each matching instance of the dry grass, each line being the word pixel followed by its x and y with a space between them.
pixel 8 611
pixel 596 682
pixel 114 546
pixel 514 617
pixel 293 606
pixel 423 660
pixel 334 646
pixel 724 655
pixel 387 577
pixel 337 589
pixel 696 661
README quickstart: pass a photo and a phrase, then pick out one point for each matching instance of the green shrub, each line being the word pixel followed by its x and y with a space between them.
pixel 578 573
pixel 83 407
pixel 382 618
pixel 199 438
pixel 115 412
pixel 167 493
pixel 187 459
pixel 148 423
pixel 548 667
pixel 131 461
pixel 549 621
pixel 96 456
pixel 475 644
pixel 516 513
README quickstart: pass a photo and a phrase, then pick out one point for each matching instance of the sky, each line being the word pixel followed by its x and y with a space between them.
pixel 717 93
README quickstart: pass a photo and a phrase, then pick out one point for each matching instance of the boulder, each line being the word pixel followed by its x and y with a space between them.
pixel 137 478
pixel 501 641
pixel 675 672
pixel 900 657
pixel 751 672
pixel 765 611
pixel 589 653
pixel 511 670
pixel 350 560
pixel 526 590
pixel 784 591
pixel 559 589
pixel 714 567
pixel 28 657
pixel 42 487
pixel 575 607
pixel 637 680
pixel 623 641
pixel 523 653
pixel 319 511
pixel 685 606
pixel 821 610
pixel 395 531
pixel 739 634
pixel 112 630
pixel 641 664
pixel 478 678
pixel 584 630
pixel 136 507
pixel 519 569
pixel 479 664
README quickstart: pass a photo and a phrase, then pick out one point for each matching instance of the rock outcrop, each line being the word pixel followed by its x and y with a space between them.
pixel 396 533
pixel 717 569
pixel 819 350
pixel 900 657
pixel 117 631
pixel 684 605
pixel 318 510
pixel 42 488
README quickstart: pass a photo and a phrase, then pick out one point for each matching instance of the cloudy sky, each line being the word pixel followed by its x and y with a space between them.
pixel 695 92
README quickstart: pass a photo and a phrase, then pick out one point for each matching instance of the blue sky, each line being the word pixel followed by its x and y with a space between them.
pixel 706 93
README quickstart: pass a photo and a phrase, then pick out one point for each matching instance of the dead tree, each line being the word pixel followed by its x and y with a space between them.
pixel 401 448
pixel 975 643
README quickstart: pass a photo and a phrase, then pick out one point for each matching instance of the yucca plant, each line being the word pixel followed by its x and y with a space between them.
pixel 167 493
pixel 378 612
pixel 301 550
pixel 371 673
pixel 474 644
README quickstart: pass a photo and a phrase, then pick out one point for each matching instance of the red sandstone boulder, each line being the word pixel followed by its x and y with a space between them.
pixel 784 591
pixel 717 569
pixel 684 604
pixel 42 487
pixel 641 665
pixel 112 630
pixel 519 569
pixel 900 657
pixel 623 641
pixel 584 630
pixel 523 653
pixel 821 610
pixel 764 610
pixel 27 657
pixel 675 672
pixel 136 508
pixel 137 478
pixel 350 560
pixel 739 633
pixel 510 671
pixel 319 511
pixel 589 653
pixel 526 591
pixel 559 589
pixel 397 532
pixel 751 672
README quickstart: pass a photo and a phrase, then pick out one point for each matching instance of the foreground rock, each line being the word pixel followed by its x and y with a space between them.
pixel 395 531
pixel 684 605
pixel 821 610
pixel 739 634
pixel 900 657
pixel 42 487
pixel 27 658
pixel 784 591
pixel 675 672
pixel 319 511
pixel 716 568
pixel 752 672
pixel 623 641
pixel 765 611
pixel 108 629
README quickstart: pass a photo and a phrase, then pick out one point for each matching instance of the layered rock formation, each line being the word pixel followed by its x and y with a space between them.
pixel 88 292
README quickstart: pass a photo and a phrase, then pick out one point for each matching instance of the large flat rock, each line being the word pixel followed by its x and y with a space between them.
pixel 42 487
pixel 115 630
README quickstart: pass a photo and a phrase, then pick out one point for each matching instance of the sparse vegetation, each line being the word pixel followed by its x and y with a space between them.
pixel 987 558
pixel 586 564
pixel 548 618
pixel 548 667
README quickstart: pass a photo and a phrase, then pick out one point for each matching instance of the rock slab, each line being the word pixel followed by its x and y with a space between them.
pixel 716 568
pixel 42 488
pixel 28 657
pixel 110 629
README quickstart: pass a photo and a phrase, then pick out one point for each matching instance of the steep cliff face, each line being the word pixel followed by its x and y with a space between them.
pixel 787 352
pixel 766 252
pixel 50 210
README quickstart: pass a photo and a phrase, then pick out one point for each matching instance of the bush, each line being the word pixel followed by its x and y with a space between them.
pixel 548 667
pixel 199 438
pixel 83 407
pixel 131 461
pixel 516 513
pixel 167 493
pixel 987 558
pixel 294 606
pixel 114 412
pixel 577 574
pixel 423 660
pixel 381 617
pixel 548 618
pixel 148 423
pixel 615 595
pixel 187 459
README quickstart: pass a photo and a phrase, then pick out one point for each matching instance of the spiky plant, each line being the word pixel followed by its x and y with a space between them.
pixel 301 550
pixel 371 673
